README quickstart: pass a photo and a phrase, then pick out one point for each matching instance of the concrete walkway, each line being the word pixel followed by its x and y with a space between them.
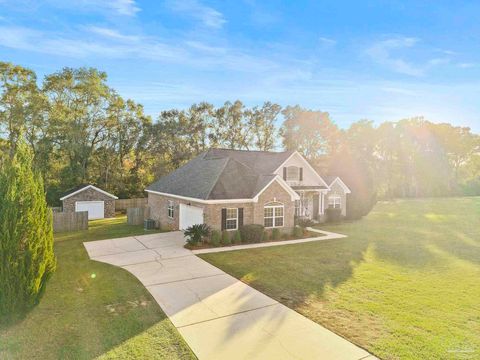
pixel 219 316
pixel 325 235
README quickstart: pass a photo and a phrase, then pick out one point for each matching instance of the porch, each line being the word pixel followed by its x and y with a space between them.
pixel 311 204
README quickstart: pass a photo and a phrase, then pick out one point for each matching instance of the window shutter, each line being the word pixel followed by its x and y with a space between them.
pixel 284 173
pixel 224 219
pixel 240 217
pixel 301 174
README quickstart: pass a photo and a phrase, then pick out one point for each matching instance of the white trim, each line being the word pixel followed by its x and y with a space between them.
pixel 306 162
pixel 227 218
pixel 273 217
pixel 293 194
pixel 201 201
pixel 88 187
pixel 342 184
pixel 171 206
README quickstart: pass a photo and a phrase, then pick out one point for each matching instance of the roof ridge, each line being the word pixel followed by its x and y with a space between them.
pixel 251 151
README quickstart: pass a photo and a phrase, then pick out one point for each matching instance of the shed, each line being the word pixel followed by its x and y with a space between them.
pixel 99 203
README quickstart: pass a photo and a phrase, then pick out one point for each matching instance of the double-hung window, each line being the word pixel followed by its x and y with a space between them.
pixel 231 221
pixel 170 209
pixel 334 201
pixel 273 215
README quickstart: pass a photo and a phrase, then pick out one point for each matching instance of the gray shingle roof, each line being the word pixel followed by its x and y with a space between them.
pixel 222 174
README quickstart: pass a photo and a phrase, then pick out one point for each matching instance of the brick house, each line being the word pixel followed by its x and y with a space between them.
pixel 230 188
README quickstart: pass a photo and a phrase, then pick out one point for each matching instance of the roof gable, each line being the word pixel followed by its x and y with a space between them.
pixel 82 188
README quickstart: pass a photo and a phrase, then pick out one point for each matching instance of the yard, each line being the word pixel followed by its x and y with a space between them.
pixel 92 309
pixel 405 284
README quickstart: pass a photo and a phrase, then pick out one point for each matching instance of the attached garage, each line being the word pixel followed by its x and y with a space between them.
pixel 189 215
pixel 98 203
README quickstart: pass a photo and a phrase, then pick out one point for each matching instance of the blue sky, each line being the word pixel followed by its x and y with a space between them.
pixel 378 60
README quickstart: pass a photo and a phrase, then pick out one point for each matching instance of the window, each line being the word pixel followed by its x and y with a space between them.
pixel 334 201
pixel 273 215
pixel 293 173
pixel 231 222
pixel 171 209
pixel 297 207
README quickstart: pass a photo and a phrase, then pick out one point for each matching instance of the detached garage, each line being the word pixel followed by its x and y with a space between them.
pixel 98 203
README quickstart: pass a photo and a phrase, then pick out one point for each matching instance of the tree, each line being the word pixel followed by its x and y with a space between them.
pixel 261 122
pixel 78 104
pixel 312 133
pixel 26 236
pixel 21 104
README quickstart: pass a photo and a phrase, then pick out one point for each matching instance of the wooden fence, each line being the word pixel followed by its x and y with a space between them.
pixel 135 216
pixel 70 221
pixel 124 204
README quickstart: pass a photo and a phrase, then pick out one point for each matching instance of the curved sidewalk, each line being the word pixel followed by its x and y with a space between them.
pixel 219 316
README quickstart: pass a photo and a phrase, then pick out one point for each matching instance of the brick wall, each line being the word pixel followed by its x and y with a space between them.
pixel 212 213
pixel 90 195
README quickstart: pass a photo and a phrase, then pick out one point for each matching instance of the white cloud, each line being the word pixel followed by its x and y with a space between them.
pixel 208 16
pixel 381 52
pixel 467 65
pixel 123 7
pixel 111 33
pixel 327 41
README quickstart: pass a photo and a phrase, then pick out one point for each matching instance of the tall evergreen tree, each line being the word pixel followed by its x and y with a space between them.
pixel 26 235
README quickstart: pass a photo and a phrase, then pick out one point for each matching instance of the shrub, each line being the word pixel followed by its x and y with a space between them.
pixel 252 233
pixel 266 236
pixel 333 215
pixel 196 233
pixel 297 232
pixel 26 258
pixel 285 236
pixel 215 238
pixel 276 234
pixel 237 237
pixel 304 222
pixel 226 238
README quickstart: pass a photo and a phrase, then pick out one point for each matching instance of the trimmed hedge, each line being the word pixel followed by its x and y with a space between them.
pixel 252 233
pixel 333 215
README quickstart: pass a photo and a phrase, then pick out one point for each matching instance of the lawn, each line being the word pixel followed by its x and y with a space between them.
pixel 93 310
pixel 405 284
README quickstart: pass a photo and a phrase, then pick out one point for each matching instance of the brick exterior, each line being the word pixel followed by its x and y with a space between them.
pixel 90 195
pixel 212 213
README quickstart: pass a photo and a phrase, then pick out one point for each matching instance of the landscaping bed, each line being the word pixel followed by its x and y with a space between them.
pixel 249 234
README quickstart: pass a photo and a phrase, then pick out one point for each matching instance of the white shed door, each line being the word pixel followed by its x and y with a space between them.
pixel 95 208
pixel 190 215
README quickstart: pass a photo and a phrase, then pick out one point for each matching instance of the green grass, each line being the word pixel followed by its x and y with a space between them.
pixel 405 284
pixel 93 310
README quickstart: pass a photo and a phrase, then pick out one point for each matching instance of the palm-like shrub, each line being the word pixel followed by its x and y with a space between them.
pixel 26 236
pixel 196 233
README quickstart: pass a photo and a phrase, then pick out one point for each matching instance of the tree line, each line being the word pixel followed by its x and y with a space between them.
pixel 80 130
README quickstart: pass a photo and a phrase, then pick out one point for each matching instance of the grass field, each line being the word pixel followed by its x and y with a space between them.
pixel 405 284
pixel 92 309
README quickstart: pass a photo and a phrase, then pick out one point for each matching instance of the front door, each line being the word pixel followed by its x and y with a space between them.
pixel 316 206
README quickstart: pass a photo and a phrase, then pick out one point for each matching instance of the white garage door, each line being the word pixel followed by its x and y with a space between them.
pixel 190 215
pixel 95 208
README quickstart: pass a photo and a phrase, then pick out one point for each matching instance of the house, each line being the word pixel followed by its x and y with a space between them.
pixel 229 188
pixel 99 203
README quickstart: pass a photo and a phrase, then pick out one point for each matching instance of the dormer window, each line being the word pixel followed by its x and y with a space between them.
pixel 293 173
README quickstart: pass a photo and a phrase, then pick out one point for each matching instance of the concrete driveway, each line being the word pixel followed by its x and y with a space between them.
pixel 219 316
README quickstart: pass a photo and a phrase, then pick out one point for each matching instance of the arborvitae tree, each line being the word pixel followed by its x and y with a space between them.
pixel 26 236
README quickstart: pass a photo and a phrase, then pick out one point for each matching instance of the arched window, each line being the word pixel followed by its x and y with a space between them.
pixel 273 215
